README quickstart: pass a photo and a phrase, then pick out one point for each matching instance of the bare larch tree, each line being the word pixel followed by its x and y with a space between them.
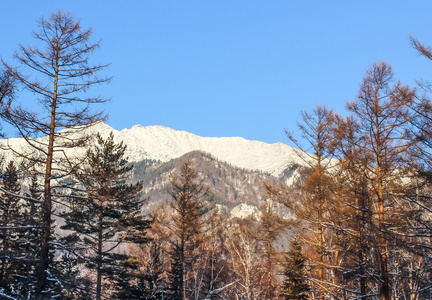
pixel 59 74
pixel 382 109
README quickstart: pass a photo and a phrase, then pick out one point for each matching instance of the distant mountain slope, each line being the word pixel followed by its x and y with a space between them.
pixel 161 143
pixel 234 168
pixel 229 185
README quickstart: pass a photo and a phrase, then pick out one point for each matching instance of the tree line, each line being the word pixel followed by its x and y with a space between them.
pixel 72 227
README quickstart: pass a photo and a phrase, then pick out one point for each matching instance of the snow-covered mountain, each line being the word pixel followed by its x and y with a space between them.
pixel 160 143
pixel 234 168
pixel 163 144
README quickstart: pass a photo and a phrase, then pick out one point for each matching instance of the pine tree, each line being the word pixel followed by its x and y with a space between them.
pixel 29 239
pixel 294 286
pixel 10 222
pixel 105 212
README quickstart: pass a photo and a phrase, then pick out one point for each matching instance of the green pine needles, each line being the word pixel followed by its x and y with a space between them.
pixel 105 212
pixel 294 286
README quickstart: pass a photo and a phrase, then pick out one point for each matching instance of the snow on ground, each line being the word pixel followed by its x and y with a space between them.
pixel 243 211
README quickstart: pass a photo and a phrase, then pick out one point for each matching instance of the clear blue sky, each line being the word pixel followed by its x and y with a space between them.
pixel 234 68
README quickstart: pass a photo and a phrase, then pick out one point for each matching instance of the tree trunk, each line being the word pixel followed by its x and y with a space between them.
pixel 321 256
pixel 269 270
pixel 47 204
pixel 183 268
pixel 385 280
pixel 99 258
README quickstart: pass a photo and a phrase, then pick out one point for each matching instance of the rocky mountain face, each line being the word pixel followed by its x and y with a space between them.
pixel 231 186
pixel 160 143
pixel 235 169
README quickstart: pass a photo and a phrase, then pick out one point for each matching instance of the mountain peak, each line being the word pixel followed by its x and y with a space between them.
pixel 162 143
pixel 158 142
pixel 101 127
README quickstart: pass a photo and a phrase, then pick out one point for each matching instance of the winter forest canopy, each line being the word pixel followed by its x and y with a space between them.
pixel 356 223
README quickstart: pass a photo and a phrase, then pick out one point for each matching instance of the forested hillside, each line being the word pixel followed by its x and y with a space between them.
pixel 230 185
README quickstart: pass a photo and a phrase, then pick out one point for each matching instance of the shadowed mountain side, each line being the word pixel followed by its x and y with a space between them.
pixel 229 185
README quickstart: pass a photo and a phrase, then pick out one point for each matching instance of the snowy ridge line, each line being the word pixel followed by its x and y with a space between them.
pixel 163 144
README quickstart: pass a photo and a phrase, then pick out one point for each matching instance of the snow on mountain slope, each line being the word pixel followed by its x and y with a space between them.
pixel 163 143
pixel 243 211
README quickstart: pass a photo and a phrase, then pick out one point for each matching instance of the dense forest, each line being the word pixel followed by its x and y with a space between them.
pixel 359 221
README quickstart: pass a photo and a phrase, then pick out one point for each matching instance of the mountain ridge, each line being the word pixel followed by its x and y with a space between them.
pixel 158 142
pixel 161 143
pixel 234 168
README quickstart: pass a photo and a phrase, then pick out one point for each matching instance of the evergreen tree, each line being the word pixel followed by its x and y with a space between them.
pixel 30 239
pixel 10 222
pixel 177 274
pixel 104 213
pixel 294 286
pixel 127 279
pixel 20 235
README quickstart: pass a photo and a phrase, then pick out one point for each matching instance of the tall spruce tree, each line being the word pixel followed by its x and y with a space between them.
pixel 20 234
pixel 30 235
pixel 294 286
pixel 105 212
pixel 10 222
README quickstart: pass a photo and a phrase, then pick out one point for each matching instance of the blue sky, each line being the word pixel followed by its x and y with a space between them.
pixel 234 68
